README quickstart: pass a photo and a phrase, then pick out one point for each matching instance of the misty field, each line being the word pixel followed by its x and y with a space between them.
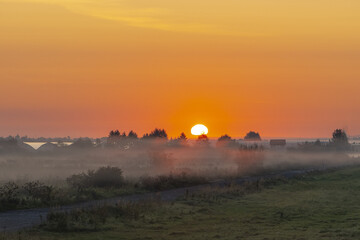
pixel 66 176
pixel 314 206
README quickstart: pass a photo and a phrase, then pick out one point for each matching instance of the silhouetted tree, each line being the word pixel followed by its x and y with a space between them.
pixel 132 134
pixel 113 133
pixel 225 141
pixel 252 136
pixel 202 140
pixel 156 133
pixel 180 141
pixel 131 140
pixel 339 136
pixel 224 138
pixel 340 140
pixel 115 137
pixel 203 137
pixel 182 137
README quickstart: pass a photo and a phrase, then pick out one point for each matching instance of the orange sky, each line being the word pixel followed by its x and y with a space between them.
pixel 83 67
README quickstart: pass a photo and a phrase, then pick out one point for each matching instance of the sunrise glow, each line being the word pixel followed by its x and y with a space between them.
pixel 199 129
pixel 84 66
pixel 151 111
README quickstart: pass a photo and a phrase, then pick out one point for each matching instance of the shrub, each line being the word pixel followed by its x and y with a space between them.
pixel 38 190
pixel 9 191
pixel 9 196
pixel 104 177
pixel 14 196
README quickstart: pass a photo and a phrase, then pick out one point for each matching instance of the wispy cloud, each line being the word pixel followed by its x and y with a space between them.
pixel 229 17
pixel 154 17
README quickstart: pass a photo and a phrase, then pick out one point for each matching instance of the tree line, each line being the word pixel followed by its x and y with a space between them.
pixel 339 140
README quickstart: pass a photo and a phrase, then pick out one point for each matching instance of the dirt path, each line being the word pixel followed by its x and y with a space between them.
pixel 19 219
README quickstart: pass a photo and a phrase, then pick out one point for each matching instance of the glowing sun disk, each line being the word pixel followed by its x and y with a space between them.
pixel 199 129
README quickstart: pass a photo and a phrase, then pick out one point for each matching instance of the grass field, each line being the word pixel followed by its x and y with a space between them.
pixel 316 206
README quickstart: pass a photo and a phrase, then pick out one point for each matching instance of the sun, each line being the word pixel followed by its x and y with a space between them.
pixel 199 129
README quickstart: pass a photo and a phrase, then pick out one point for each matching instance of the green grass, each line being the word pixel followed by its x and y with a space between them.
pixel 316 206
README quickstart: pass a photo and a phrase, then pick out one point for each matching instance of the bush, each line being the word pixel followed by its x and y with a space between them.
pixel 38 190
pixel 9 191
pixel 31 194
pixel 9 196
pixel 104 177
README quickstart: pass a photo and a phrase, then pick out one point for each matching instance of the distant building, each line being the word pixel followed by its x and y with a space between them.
pixel 277 142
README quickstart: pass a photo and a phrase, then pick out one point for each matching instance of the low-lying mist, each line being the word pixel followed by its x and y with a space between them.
pixel 157 158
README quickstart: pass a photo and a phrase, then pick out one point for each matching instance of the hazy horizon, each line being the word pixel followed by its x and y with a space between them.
pixel 190 137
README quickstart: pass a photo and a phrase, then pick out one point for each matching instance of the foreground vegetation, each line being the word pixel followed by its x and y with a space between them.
pixel 316 206
pixel 105 182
